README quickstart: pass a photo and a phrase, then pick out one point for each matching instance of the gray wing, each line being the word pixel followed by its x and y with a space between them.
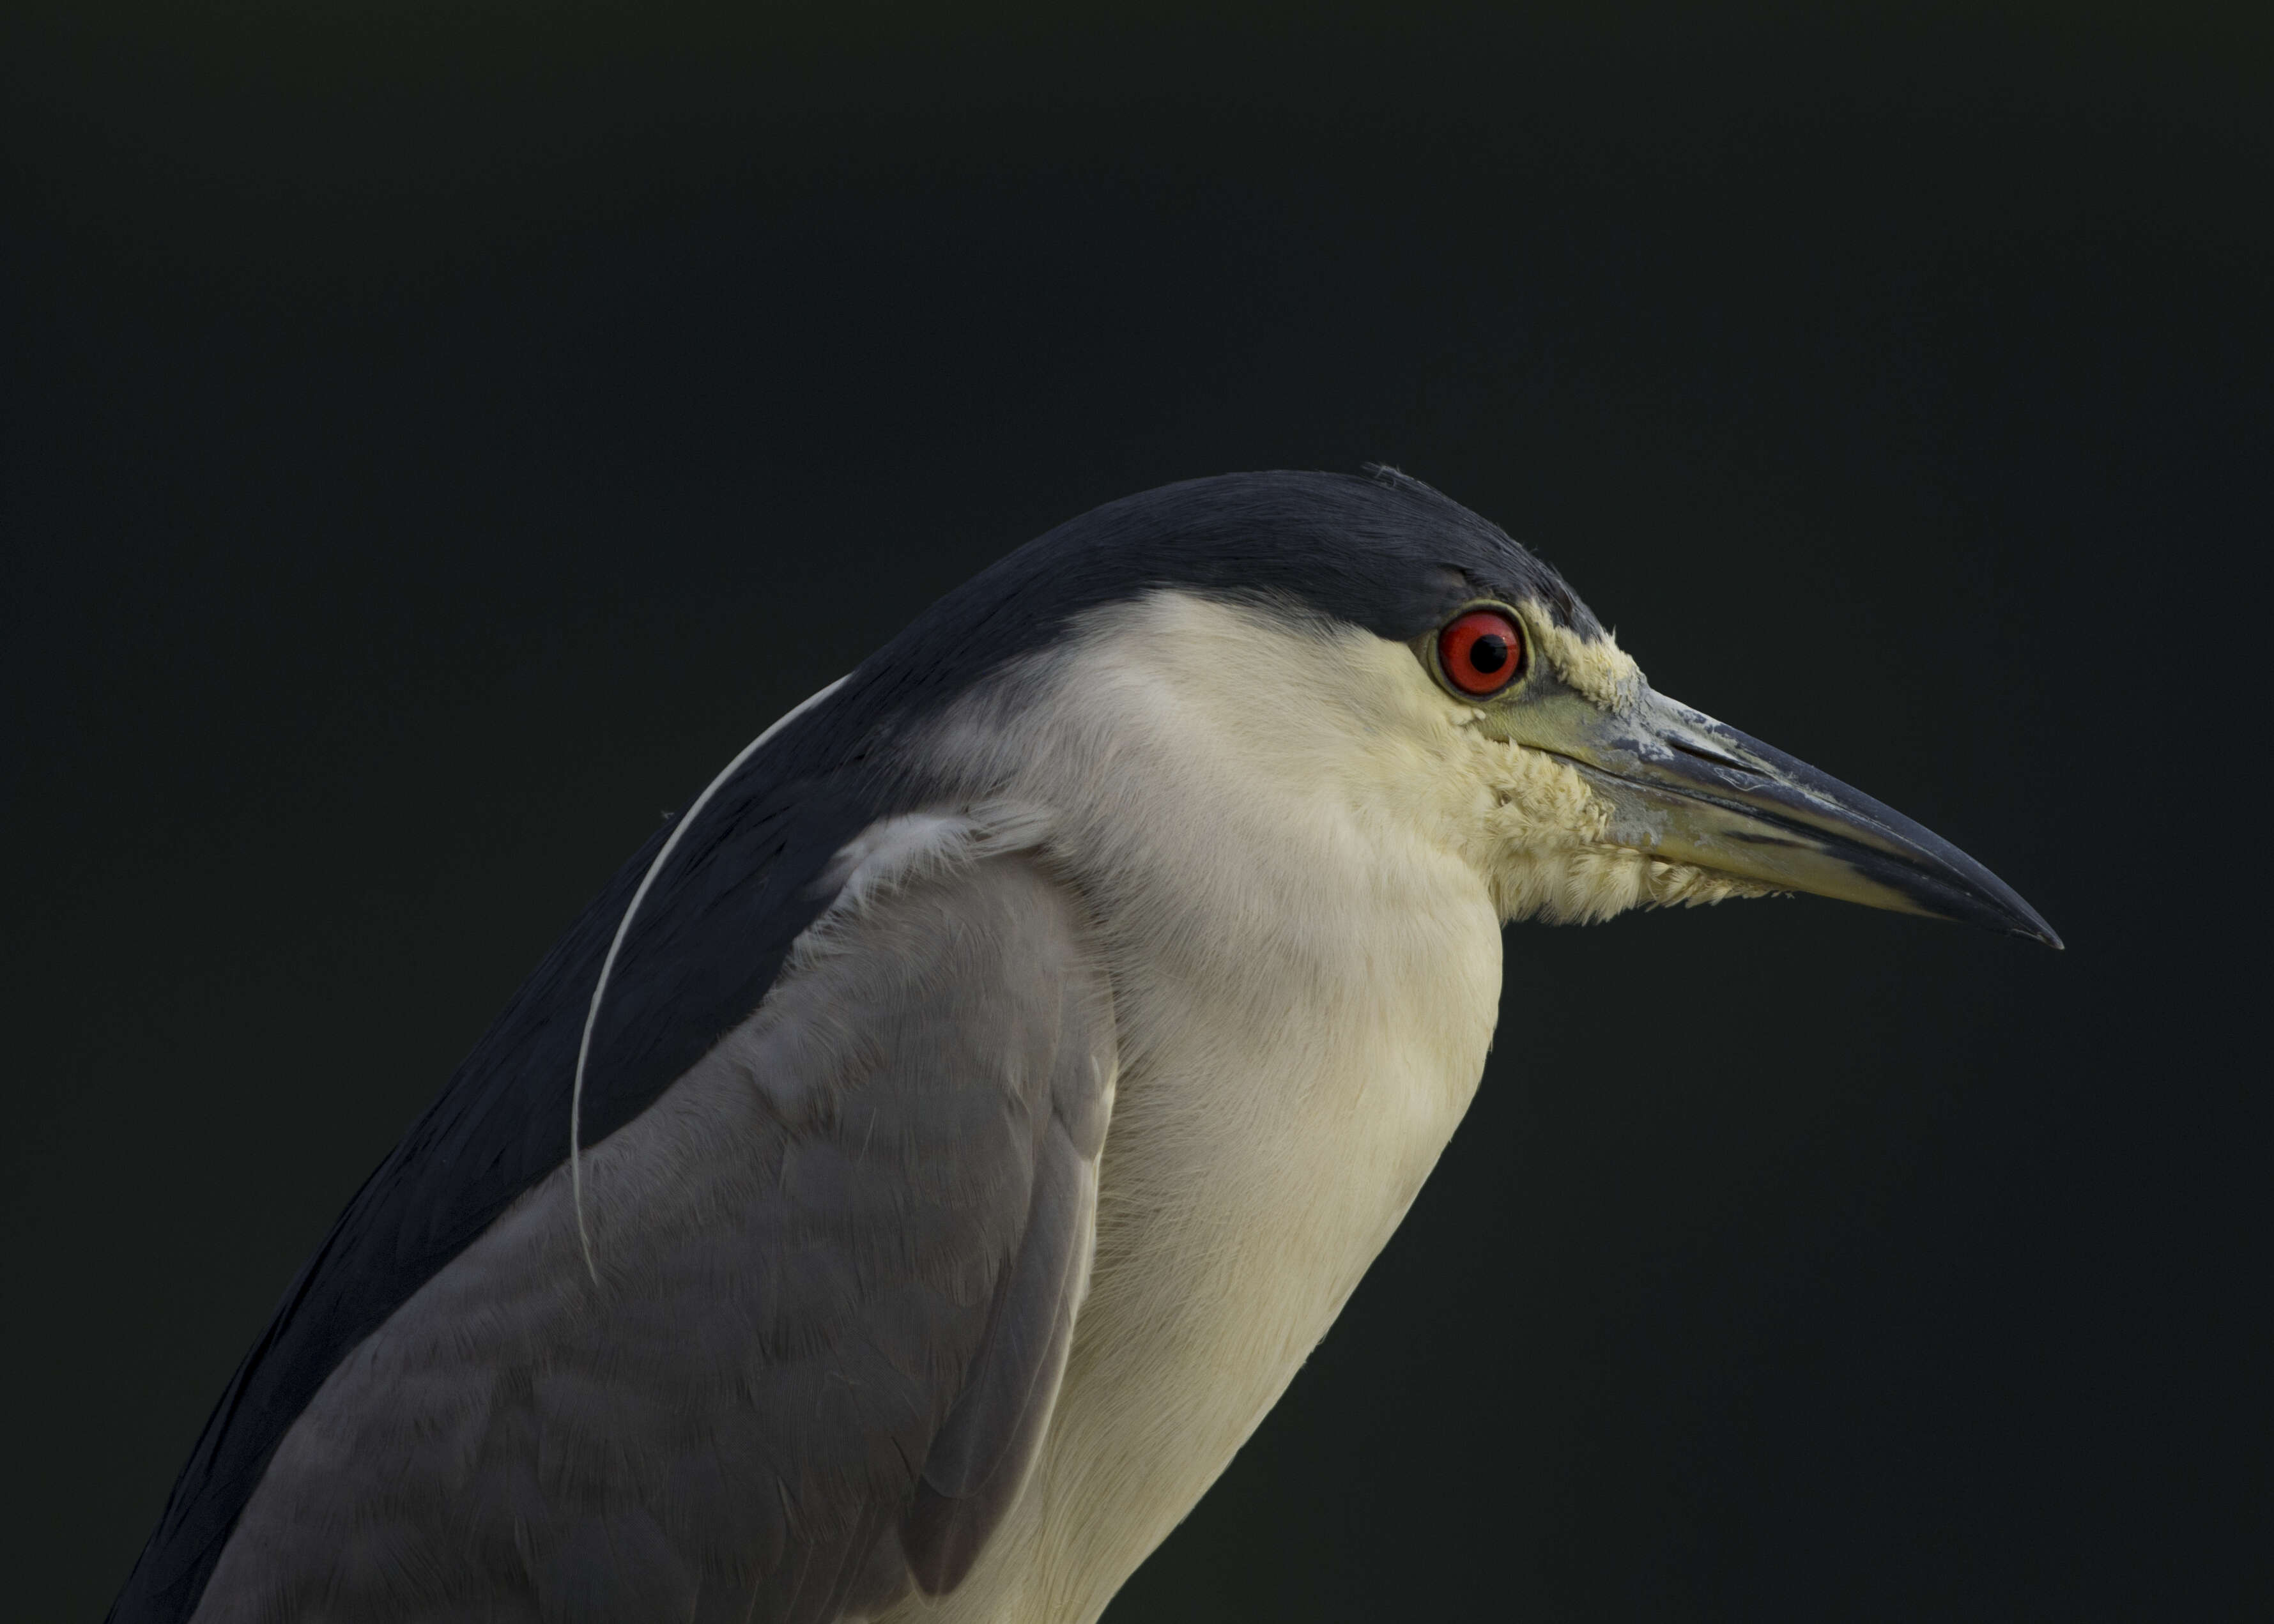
pixel 839 1261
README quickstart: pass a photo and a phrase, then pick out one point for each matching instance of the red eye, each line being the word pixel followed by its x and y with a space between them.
pixel 1482 652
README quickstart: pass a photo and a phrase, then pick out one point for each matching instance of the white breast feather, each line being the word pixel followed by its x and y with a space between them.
pixel 1301 850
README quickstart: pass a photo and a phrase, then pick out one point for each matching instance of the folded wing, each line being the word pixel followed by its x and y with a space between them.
pixel 840 1259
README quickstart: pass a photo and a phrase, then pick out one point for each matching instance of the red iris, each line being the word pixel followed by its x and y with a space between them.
pixel 1480 652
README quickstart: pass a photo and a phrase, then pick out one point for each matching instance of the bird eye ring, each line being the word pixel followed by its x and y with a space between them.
pixel 1480 652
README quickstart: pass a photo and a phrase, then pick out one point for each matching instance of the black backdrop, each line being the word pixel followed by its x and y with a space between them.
pixel 434 442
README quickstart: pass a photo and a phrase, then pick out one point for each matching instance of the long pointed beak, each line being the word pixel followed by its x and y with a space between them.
pixel 1697 791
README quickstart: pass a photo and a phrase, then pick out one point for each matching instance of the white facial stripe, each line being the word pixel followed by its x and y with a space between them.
pixel 1596 667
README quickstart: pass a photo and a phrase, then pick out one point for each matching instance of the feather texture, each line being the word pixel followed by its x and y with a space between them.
pixel 838 1263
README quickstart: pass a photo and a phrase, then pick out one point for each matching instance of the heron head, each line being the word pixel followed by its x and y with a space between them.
pixel 1298 638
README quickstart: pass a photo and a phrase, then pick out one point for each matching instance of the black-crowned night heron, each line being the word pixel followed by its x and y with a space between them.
pixel 910 1181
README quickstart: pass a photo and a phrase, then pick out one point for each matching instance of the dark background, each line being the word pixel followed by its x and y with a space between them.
pixel 436 440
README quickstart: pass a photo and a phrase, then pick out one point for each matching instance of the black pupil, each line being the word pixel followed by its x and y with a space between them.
pixel 1488 652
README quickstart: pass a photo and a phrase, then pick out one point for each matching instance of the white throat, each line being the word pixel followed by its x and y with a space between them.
pixel 1306 958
